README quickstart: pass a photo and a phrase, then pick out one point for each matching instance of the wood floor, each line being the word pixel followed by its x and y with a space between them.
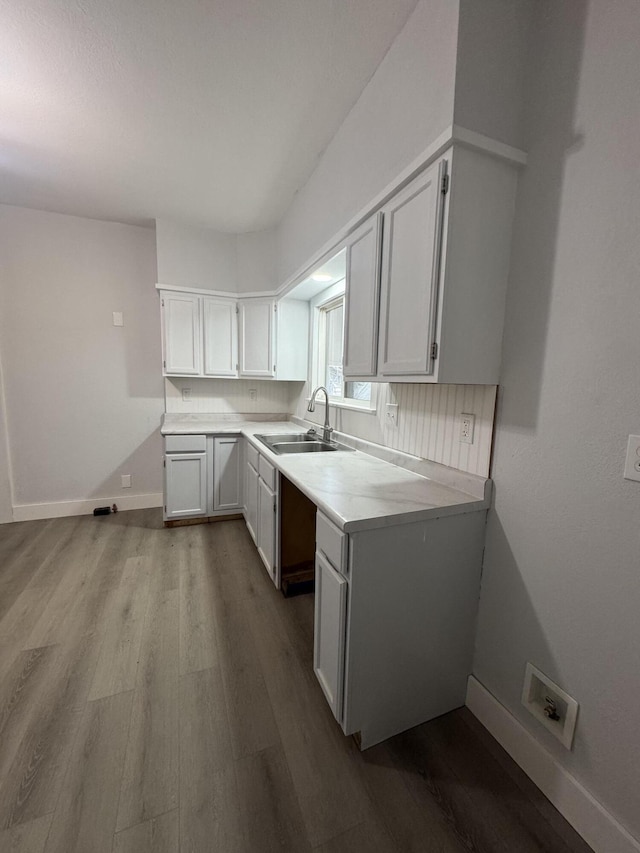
pixel 157 695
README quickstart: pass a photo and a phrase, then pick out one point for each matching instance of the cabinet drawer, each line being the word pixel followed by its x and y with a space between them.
pixel 332 542
pixel 185 443
pixel 252 455
pixel 267 472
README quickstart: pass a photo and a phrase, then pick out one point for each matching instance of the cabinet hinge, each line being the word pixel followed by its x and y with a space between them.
pixel 164 463
pixel 274 368
pixel 164 364
pixel 445 184
pixel 237 310
pixel 162 301
pixel 237 366
pixel 434 350
pixel 275 307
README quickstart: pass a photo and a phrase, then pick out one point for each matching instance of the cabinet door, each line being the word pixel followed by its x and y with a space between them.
pixel 256 337
pixel 251 485
pixel 226 473
pixel 410 271
pixel 267 527
pixel 362 299
pixel 329 632
pixel 220 328
pixel 181 334
pixel 185 485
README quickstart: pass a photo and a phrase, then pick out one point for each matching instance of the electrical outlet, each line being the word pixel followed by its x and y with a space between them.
pixel 125 481
pixel 555 709
pixel 467 427
pixel 118 318
pixel 253 393
pixel 186 394
pixel 391 414
pixel 632 462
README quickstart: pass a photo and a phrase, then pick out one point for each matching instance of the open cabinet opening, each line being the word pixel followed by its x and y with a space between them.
pixel 297 540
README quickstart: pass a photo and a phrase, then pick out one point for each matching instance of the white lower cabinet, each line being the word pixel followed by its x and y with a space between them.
pixel 267 526
pixel 185 485
pixel 251 501
pixel 202 476
pixel 395 615
pixel 227 491
pixel 329 632
pixel 261 509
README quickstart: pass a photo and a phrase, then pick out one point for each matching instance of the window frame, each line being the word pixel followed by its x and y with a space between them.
pixel 329 298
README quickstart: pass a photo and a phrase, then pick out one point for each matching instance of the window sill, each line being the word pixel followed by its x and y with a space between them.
pixel 351 407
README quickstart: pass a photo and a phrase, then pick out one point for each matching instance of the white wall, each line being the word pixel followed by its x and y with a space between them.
pixel 6 504
pixel 407 103
pixel 83 398
pixel 189 256
pixel 561 582
pixel 491 66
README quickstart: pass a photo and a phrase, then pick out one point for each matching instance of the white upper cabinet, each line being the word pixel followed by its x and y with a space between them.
pixel 409 286
pixel 257 351
pixel 220 332
pixel 181 334
pixel 441 278
pixel 362 295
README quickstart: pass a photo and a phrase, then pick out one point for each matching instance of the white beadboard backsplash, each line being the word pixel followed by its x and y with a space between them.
pixel 226 396
pixel 428 422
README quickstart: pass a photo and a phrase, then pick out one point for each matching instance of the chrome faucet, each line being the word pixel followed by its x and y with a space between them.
pixel 326 429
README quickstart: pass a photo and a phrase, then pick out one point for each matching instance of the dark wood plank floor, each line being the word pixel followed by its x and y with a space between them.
pixel 157 695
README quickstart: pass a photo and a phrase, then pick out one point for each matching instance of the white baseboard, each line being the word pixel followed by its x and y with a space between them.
pixel 588 817
pixel 59 509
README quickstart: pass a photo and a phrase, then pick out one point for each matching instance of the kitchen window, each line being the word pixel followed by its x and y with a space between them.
pixel 328 314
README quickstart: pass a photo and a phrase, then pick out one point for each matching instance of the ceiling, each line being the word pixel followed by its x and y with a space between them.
pixel 209 111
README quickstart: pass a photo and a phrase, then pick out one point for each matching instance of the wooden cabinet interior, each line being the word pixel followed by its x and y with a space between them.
pixel 297 539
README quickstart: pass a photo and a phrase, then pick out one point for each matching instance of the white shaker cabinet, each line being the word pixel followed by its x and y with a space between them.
pixel 442 276
pixel 261 512
pixel 362 296
pixel 330 632
pixel 410 268
pixel 257 351
pixel 267 527
pixel 185 477
pixel 220 333
pixel 251 501
pixel 227 491
pixel 181 334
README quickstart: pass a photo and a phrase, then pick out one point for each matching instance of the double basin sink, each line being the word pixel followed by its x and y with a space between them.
pixel 298 442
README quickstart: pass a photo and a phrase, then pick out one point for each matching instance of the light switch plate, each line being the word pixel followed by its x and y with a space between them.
pixel 186 394
pixel 391 414
pixel 632 462
pixel 125 480
pixel 118 318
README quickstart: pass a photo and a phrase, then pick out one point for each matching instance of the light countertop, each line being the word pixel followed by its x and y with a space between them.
pixel 355 490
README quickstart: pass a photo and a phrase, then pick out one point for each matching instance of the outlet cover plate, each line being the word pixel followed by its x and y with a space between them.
pixel 467 427
pixel 632 461
pixel 125 480
pixel 537 686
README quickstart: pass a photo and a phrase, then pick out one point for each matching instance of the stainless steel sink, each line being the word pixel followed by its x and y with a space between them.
pixel 299 443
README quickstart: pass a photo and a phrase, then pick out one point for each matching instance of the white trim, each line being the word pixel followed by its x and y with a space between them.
pixel 488 145
pixel 222 294
pixel 588 817
pixel 60 509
